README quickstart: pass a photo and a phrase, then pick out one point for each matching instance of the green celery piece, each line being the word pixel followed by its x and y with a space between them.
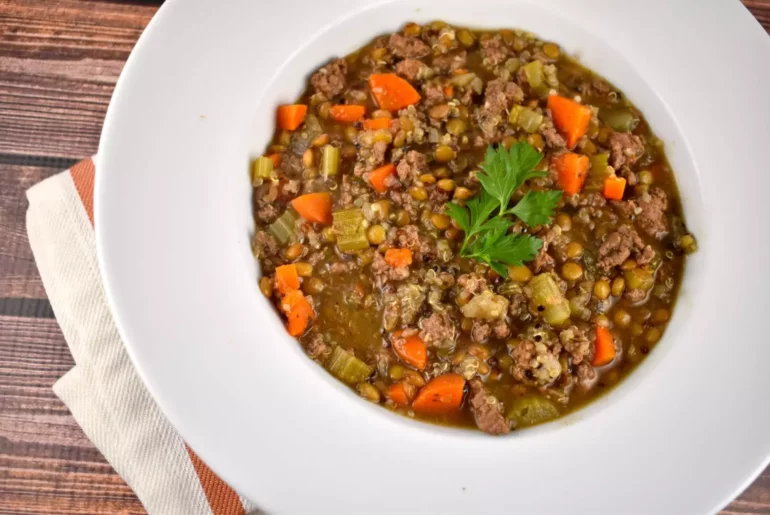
pixel 532 409
pixel 535 74
pixel 330 161
pixel 263 168
pixel 546 293
pixel 346 367
pixel 513 64
pixel 525 118
pixel 463 80
pixel 348 225
pixel 621 120
pixel 599 163
pixel 284 227
pixel 597 172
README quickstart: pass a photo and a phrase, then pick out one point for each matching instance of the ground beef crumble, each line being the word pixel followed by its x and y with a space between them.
pixel 407 47
pixel 626 148
pixel 619 245
pixel 330 80
pixel 652 217
pixel 487 410
pixel 437 330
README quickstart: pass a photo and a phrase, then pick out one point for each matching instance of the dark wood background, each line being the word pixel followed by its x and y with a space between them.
pixel 59 60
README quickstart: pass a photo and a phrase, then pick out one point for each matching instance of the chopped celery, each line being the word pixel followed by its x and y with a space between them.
pixel 301 140
pixel 330 161
pixel 263 167
pixel 598 172
pixel 535 74
pixel 513 64
pixel 526 118
pixel 688 244
pixel 599 163
pixel 546 294
pixel 352 243
pixel 350 229
pixel 347 221
pixel 532 409
pixel 284 227
pixel 463 80
pixel 346 367
pixel 639 279
pixel 621 120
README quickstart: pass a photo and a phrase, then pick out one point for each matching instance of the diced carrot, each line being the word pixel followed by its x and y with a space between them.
pixel 299 312
pixel 443 394
pixel 449 91
pixel 276 158
pixel 569 117
pixel 401 393
pixel 291 116
pixel 604 349
pixel 573 170
pixel 286 278
pixel 348 113
pixel 614 187
pixel 378 177
pixel 398 258
pixel 460 71
pixel 411 349
pixel 392 92
pixel 377 123
pixel 314 207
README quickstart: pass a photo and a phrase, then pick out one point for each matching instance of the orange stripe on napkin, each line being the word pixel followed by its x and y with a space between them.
pixel 222 499
pixel 83 175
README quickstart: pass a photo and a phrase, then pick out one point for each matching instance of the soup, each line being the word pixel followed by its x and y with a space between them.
pixel 469 227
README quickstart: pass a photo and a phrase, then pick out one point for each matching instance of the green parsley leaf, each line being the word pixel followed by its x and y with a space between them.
pixel 487 236
pixel 506 170
pixel 500 249
pixel 536 207
pixel 460 215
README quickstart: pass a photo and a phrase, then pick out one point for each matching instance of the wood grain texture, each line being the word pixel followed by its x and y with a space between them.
pixel 59 60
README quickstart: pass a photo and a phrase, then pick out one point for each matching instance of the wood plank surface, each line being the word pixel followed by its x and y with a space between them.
pixel 59 61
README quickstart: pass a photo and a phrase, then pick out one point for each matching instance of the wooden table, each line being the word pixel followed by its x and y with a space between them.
pixel 59 60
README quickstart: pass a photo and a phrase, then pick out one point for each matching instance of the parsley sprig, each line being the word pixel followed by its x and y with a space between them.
pixel 486 219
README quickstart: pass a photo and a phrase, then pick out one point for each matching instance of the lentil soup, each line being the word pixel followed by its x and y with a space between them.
pixel 468 227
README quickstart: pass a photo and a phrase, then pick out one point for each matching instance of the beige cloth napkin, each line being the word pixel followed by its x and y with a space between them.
pixel 103 391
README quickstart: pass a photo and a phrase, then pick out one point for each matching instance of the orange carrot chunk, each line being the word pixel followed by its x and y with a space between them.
pixel 299 312
pixel 286 278
pixel 401 393
pixel 443 394
pixel 291 116
pixel 569 117
pixel 377 123
pixel 314 207
pixel 604 350
pixel 392 92
pixel 411 349
pixel 398 258
pixel 379 177
pixel 276 158
pixel 614 187
pixel 573 170
pixel 347 113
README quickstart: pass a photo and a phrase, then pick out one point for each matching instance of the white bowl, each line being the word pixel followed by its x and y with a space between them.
pixel 684 434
